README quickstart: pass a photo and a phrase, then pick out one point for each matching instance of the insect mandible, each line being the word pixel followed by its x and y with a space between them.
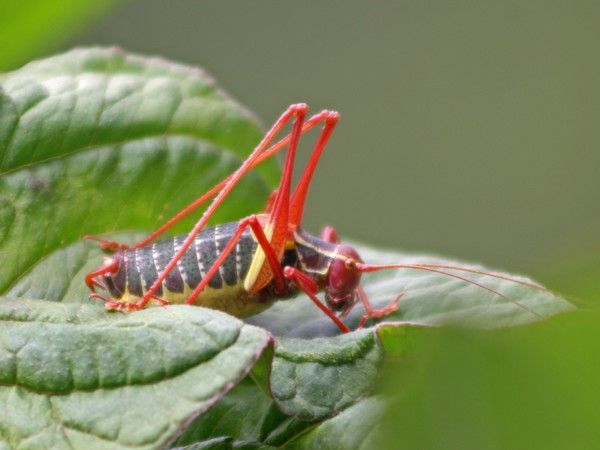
pixel 243 267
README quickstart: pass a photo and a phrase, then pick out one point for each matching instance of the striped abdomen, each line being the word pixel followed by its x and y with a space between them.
pixel 139 269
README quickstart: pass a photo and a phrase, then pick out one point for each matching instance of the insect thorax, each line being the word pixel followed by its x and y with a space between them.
pixel 314 255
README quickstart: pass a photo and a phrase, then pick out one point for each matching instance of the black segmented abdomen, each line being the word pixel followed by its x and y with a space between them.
pixel 139 268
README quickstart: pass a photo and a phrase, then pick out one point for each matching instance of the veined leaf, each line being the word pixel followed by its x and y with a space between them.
pixel 75 376
pixel 93 141
pixel 100 141
pixel 97 140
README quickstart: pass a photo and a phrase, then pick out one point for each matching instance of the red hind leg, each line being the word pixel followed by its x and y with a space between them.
pixel 263 242
pixel 308 125
pixel 293 111
pixel 323 116
pixel 278 225
pixel 285 211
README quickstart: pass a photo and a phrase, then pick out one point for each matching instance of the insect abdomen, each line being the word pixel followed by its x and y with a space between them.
pixel 139 268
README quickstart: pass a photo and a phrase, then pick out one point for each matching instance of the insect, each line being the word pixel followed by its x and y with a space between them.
pixel 243 267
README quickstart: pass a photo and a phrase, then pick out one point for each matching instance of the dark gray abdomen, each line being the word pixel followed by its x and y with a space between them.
pixel 141 267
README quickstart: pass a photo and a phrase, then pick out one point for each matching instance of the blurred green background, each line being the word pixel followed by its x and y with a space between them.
pixel 468 129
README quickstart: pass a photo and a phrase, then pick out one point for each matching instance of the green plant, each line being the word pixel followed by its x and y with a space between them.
pixel 99 141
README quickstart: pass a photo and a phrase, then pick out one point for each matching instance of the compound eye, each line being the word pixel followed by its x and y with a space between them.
pixel 343 276
pixel 350 264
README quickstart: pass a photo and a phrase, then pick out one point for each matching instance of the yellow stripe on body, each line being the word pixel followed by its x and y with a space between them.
pixel 330 254
pixel 258 261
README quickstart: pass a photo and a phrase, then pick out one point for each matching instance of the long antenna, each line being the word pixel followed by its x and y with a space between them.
pixel 362 267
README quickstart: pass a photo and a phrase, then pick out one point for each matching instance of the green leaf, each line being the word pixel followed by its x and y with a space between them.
pixel 226 443
pixel 76 376
pixel 237 414
pixel 98 140
pixel 58 277
pixel 93 141
pixel 247 413
pixel 317 378
pixel 520 388
pixel 34 25
pixel 441 300
pixel 357 428
pixel 313 379
pixel 250 415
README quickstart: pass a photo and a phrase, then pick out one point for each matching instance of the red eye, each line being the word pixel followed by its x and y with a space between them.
pixel 343 277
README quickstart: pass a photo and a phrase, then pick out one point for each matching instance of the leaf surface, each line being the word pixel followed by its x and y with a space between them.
pixel 101 141
pixel 39 24
pixel 249 414
pixel 315 378
pixel 356 428
pixel 93 141
pixel 319 377
pixel 75 376
pixel 98 140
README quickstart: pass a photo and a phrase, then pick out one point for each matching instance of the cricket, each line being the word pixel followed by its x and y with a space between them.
pixel 243 267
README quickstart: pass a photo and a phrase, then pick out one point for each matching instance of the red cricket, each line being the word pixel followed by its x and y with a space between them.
pixel 243 267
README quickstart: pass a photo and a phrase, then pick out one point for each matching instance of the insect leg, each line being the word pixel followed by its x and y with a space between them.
pixel 330 235
pixel 90 278
pixel 299 197
pixel 286 211
pixel 277 227
pixel 112 245
pixel 310 288
pixel 372 313
pixel 268 209
pixel 296 111
pixel 254 223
